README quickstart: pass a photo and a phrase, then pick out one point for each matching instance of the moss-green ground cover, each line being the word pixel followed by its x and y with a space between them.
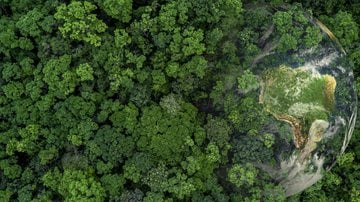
pixel 297 96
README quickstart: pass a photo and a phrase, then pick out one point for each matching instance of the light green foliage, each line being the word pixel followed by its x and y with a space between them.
pixel 283 21
pixel 268 140
pixel 242 175
pixel 253 132
pixel 247 82
pixel 121 38
pixel 153 197
pixel 344 28
pixel 85 72
pixel 47 155
pixel 58 76
pixel 192 42
pixel 80 23
pixel 170 104
pixel 124 79
pixel 27 142
pixel 191 165
pixel 355 194
pixel 313 36
pixel 75 185
pixel 131 172
pixel 156 178
pixel 5 195
pixel 332 180
pixel 103 168
pixel 180 185
pixel 213 153
pixel 287 42
pixel 346 159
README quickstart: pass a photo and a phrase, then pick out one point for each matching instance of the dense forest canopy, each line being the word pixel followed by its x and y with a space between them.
pixel 122 100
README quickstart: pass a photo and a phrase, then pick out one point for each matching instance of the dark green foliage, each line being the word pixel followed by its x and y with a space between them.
pixel 251 149
pixel 291 37
pixel 167 136
pixel 255 115
pixel 122 100
pixel 120 10
pixel 218 131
